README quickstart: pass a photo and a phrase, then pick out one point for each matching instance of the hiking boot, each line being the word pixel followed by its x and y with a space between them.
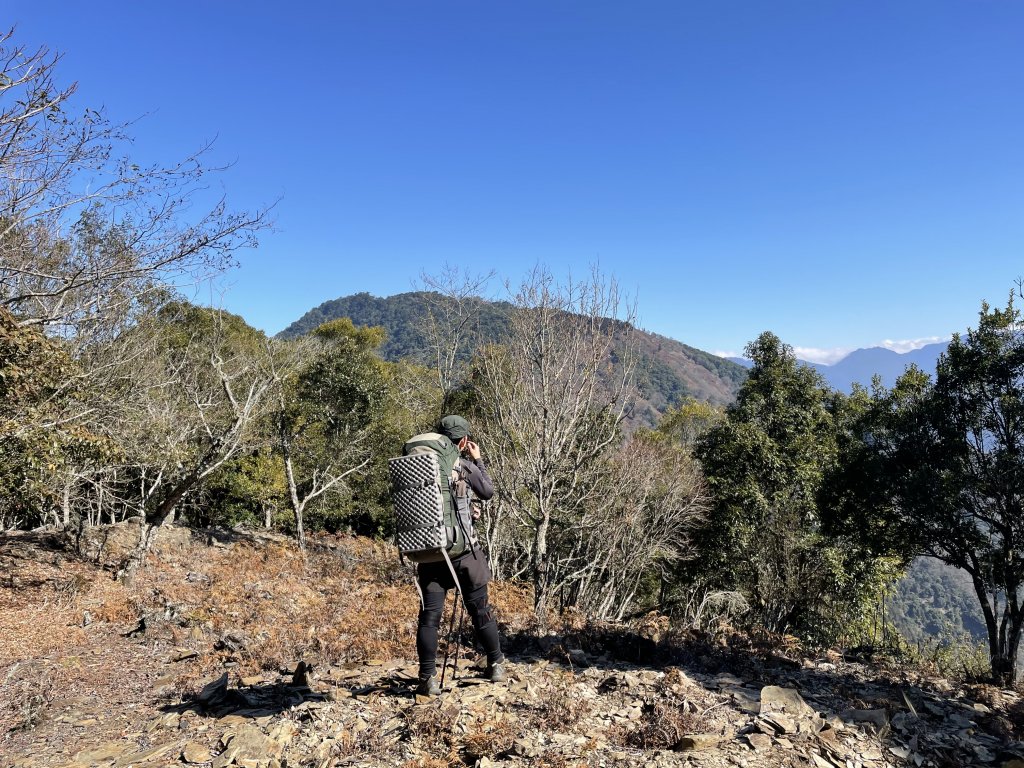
pixel 428 686
pixel 496 673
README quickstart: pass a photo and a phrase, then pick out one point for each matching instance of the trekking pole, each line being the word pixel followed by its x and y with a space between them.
pixel 448 642
pixel 458 637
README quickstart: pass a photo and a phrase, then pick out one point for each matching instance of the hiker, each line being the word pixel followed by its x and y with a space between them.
pixel 471 568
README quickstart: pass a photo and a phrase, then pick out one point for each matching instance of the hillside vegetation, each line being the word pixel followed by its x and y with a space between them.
pixel 935 604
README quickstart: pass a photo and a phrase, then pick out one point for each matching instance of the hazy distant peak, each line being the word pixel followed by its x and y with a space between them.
pixel 833 355
pixel 860 365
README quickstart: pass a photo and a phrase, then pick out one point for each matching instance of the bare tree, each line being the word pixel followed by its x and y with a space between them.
pixel 656 496
pixel 453 298
pixel 87 235
pixel 92 245
pixel 554 396
pixel 190 407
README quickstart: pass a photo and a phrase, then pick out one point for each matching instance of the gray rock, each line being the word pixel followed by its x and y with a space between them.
pixel 788 700
pixel 233 641
pixel 250 742
pixel 180 654
pixel 876 717
pixel 526 748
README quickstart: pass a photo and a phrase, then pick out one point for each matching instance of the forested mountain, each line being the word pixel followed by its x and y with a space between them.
pixel 935 601
pixel 667 370
pixel 404 317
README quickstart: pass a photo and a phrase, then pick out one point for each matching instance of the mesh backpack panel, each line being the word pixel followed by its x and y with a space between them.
pixel 426 521
pixel 419 505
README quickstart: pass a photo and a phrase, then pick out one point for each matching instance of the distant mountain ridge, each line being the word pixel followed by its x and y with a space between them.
pixel 861 365
pixel 668 371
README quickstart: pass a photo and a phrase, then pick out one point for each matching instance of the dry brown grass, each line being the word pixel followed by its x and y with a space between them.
pixel 513 602
pixel 489 738
pixel 324 608
pixel 664 724
pixel 348 600
pixel 561 708
pixel 679 707
pixel 28 690
pixel 427 762
pixel 47 654
pixel 432 729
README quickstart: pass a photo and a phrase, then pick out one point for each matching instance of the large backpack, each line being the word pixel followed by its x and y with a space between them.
pixel 433 516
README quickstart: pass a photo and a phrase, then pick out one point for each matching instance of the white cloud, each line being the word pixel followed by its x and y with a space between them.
pixel 911 344
pixel 823 356
pixel 720 353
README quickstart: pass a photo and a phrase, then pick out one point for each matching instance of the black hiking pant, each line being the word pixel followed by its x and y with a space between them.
pixel 435 580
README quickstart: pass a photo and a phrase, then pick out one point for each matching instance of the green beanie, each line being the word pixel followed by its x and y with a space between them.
pixel 455 427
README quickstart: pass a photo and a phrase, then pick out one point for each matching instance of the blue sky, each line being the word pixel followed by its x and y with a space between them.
pixel 841 173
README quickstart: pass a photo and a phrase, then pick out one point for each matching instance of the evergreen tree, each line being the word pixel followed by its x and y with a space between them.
pixel 765 463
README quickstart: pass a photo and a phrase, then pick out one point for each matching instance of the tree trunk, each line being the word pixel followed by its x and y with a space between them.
pixel 540 569
pixel 160 515
pixel 300 532
pixel 67 505
pixel 1002 649
pixel 293 495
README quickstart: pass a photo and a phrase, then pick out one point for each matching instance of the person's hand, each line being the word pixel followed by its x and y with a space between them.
pixel 473 450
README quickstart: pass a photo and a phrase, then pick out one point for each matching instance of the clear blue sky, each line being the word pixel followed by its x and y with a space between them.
pixel 840 173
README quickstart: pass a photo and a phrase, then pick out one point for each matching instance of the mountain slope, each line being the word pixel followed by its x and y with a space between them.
pixel 404 317
pixel 667 370
pixel 936 601
pixel 225 651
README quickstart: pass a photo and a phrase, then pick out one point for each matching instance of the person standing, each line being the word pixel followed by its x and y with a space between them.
pixel 471 569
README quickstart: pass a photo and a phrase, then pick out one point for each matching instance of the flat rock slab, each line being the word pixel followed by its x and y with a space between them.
pixel 696 742
pixel 746 700
pixel 138 758
pixel 101 754
pixel 759 741
pixel 195 754
pixel 249 742
pixel 876 717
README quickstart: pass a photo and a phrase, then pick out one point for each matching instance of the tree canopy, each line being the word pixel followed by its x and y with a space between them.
pixel 937 468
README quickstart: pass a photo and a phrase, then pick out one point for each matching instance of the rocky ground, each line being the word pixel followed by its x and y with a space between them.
pixel 170 671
